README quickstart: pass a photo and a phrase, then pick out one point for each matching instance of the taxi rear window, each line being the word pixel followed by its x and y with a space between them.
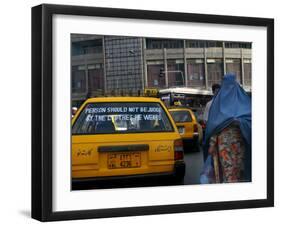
pixel 181 116
pixel 124 117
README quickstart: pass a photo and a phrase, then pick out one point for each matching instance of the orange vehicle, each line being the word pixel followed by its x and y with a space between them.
pixel 125 137
pixel 188 127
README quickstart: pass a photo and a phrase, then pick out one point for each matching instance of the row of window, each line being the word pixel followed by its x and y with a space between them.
pixel 195 73
pixel 198 61
pixel 130 46
pixel 173 43
pixel 87 47
pixel 176 72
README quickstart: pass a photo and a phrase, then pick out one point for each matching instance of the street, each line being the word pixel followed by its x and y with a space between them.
pixel 194 164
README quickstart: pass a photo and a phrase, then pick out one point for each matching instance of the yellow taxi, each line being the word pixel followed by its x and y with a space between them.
pixel 188 127
pixel 125 137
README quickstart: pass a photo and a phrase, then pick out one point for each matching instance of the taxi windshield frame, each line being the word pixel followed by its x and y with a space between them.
pixel 157 104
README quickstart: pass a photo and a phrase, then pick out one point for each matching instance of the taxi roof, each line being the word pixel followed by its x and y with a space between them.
pixel 122 99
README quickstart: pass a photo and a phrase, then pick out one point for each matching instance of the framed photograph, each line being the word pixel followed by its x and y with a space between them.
pixel 145 112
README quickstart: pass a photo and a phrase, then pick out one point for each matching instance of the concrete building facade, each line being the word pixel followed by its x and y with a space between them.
pixel 117 65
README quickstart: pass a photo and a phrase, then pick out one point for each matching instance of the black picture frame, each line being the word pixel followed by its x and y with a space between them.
pixel 42 107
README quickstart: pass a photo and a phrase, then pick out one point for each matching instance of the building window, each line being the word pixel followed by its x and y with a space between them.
pixel 87 47
pixel 78 79
pixel 152 43
pixel 202 44
pixel 96 79
pixel 194 44
pixel 175 73
pixel 154 78
pixel 215 71
pixel 234 66
pixel 196 72
pixel 245 45
pixel 247 72
pixel 213 44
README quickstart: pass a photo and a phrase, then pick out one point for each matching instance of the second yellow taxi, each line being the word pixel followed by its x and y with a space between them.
pixel 188 127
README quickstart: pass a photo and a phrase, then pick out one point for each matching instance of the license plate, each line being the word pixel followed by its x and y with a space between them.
pixel 124 160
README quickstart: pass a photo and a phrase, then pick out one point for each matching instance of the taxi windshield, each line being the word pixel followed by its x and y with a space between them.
pixel 181 116
pixel 123 117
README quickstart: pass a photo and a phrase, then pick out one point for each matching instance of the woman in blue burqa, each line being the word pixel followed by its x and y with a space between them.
pixel 228 135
